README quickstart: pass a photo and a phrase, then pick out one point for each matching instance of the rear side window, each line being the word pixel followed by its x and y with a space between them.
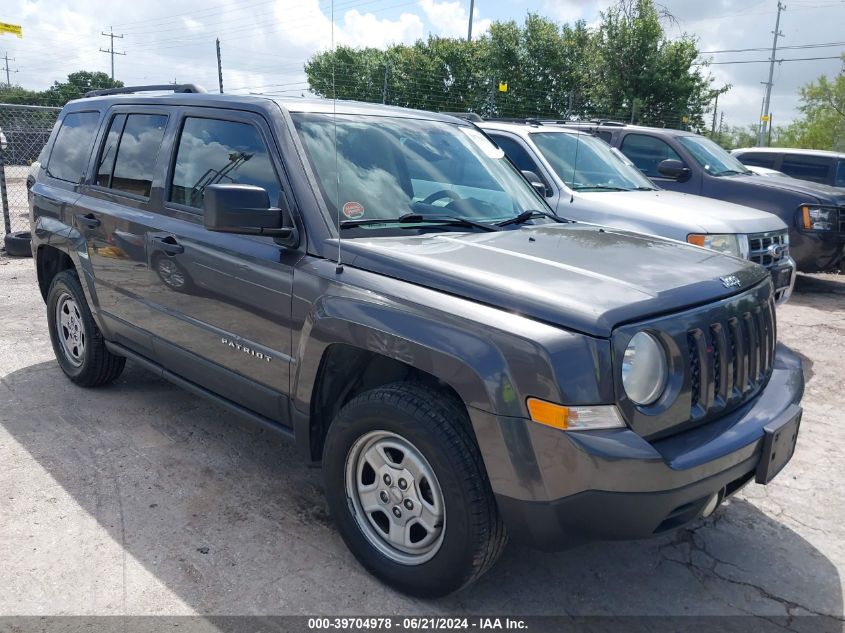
pixel 759 159
pixel 128 159
pixel 214 151
pixel 806 168
pixel 607 137
pixel 647 152
pixel 73 145
pixel 105 165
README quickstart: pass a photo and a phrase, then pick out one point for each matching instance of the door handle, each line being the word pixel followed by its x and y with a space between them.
pixel 89 220
pixel 169 245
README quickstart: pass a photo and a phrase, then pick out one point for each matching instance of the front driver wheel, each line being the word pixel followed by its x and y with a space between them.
pixel 408 490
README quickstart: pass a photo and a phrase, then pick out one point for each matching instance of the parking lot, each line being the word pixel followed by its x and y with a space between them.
pixel 143 499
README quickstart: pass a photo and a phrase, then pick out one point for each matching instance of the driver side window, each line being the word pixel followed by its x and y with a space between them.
pixel 647 152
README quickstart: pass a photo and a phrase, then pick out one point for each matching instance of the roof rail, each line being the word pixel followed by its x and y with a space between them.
pixel 183 88
pixel 524 120
pixel 467 116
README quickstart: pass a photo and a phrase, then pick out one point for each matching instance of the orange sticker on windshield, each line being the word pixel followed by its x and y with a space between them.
pixel 353 210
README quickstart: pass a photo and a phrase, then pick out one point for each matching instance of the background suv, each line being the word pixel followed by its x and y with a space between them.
pixel 687 162
pixel 585 179
pixel 815 165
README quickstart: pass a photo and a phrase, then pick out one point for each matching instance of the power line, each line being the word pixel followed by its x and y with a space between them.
pixel 766 61
pixel 750 50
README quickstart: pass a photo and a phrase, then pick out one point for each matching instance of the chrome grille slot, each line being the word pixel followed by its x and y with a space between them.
pixel 759 243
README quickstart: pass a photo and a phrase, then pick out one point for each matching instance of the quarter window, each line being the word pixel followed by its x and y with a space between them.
pixel 840 174
pixel 213 151
pixel 72 148
pixel 647 152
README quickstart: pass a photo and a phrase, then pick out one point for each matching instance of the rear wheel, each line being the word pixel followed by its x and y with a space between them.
pixel 409 492
pixel 77 342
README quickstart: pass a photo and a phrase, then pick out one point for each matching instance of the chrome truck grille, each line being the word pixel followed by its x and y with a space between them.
pixel 764 246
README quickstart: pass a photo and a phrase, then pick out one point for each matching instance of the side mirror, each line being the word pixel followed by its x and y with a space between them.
pixel 675 169
pixel 534 180
pixel 246 210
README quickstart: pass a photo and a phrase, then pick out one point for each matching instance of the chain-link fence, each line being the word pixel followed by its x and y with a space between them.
pixel 25 130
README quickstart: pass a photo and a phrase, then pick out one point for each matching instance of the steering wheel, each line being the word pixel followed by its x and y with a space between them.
pixel 439 195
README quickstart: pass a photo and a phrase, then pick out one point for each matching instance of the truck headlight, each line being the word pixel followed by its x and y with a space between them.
pixel 644 369
pixel 728 243
pixel 818 218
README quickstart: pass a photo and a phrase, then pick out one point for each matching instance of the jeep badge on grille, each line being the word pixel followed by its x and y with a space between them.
pixel 731 281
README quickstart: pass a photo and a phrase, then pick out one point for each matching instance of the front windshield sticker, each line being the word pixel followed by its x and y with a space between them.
pixel 353 210
pixel 483 143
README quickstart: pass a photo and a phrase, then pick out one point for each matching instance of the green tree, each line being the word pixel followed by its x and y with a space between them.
pixel 822 125
pixel 77 85
pixel 641 74
pixel 550 70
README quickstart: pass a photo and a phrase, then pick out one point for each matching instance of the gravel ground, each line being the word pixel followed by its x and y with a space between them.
pixel 140 498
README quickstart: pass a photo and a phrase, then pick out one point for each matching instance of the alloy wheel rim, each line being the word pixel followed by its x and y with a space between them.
pixel 70 329
pixel 395 497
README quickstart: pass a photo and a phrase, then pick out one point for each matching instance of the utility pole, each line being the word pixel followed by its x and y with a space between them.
pixel 469 30
pixel 721 121
pixel 384 88
pixel 764 124
pixel 219 67
pixel 9 59
pixel 110 50
pixel 715 110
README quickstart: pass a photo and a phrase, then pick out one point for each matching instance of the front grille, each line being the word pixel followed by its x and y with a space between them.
pixel 759 244
pixel 841 212
pixel 730 358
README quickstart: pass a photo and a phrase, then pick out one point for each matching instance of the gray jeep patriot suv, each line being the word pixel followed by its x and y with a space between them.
pixel 385 288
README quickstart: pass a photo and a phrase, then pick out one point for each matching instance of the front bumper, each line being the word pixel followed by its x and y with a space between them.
pixel 559 489
pixel 783 278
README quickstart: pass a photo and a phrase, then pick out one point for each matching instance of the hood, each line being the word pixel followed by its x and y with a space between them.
pixel 686 212
pixel 581 277
pixel 824 193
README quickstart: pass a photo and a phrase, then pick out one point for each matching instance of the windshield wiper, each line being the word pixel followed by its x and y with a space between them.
pixel 600 187
pixel 645 189
pixel 730 172
pixel 420 218
pixel 529 214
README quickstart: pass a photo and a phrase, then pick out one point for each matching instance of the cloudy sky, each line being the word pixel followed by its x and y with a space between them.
pixel 265 42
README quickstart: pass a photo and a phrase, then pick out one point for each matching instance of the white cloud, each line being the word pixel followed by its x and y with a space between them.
pixel 192 25
pixel 570 11
pixel 450 19
pixel 367 30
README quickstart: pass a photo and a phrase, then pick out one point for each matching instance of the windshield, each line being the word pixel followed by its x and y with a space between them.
pixel 586 163
pixel 387 167
pixel 715 160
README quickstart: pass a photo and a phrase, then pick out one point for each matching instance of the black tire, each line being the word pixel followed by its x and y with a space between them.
pixel 473 535
pixel 18 244
pixel 96 365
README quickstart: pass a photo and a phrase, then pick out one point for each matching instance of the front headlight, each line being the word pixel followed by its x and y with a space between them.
pixel 644 369
pixel 817 218
pixel 728 243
